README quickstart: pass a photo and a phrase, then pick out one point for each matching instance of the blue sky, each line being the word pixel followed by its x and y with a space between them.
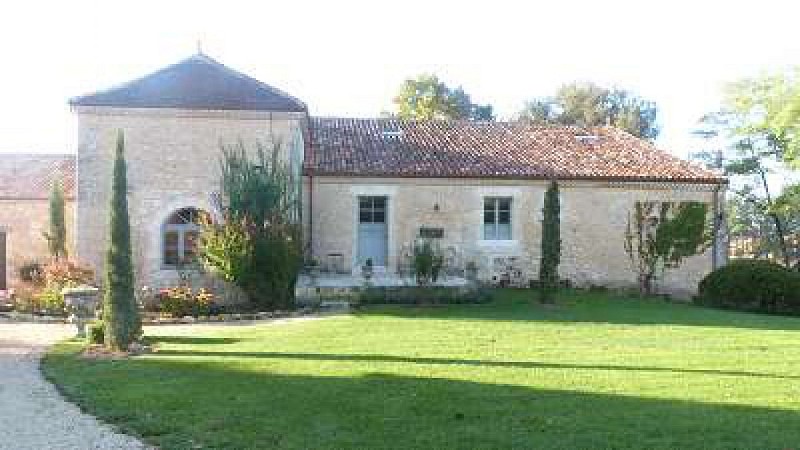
pixel 348 57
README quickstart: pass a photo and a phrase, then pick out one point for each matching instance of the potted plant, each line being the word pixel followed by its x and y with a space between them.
pixel 313 270
pixel 367 270
pixel 471 271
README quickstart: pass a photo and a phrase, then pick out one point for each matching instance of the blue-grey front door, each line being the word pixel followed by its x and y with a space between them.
pixel 372 230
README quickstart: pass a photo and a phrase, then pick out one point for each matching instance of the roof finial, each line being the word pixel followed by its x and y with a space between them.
pixel 199 46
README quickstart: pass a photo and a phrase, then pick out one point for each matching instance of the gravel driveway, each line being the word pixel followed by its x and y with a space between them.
pixel 32 413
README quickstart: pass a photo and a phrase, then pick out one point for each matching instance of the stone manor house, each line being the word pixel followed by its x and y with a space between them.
pixel 370 186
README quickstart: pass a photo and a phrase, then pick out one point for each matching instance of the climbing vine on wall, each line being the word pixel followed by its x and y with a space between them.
pixel 660 235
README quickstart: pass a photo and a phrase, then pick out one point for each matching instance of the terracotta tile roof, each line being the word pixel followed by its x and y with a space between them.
pixel 389 147
pixel 30 176
pixel 198 82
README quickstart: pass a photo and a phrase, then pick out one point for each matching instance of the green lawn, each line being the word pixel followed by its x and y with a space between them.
pixel 598 372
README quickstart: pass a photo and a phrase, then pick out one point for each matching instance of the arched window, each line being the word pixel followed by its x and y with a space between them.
pixel 181 235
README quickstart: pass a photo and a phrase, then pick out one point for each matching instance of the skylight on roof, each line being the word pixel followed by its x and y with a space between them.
pixel 392 134
pixel 587 138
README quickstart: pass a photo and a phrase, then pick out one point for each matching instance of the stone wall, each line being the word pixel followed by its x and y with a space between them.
pixel 24 221
pixel 173 162
pixel 593 217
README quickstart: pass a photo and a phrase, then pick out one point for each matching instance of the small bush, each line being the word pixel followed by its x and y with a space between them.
pixel 31 272
pixel 182 301
pixel 65 273
pixel 43 293
pixel 423 295
pixel 428 261
pixel 752 285
pixel 51 301
pixel 24 299
pixel 95 333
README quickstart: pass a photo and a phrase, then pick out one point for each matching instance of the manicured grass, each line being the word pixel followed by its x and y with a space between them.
pixel 598 372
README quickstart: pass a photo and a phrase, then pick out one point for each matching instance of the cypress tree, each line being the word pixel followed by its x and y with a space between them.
pixel 120 314
pixel 57 234
pixel 551 245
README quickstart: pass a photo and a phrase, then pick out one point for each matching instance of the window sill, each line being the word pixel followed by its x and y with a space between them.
pixel 500 243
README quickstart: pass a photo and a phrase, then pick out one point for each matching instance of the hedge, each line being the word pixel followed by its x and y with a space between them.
pixel 752 285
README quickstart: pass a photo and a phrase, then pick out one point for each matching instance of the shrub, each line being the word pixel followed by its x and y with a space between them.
pixel 24 299
pixel 50 300
pixel 66 273
pixel 257 244
pixel 95 332
pixel 423 295
pixel 31 272
pixel 182 301
pixel 752 285
pixel 428 262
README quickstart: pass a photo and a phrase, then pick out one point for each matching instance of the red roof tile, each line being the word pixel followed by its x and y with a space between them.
pixel 30 176
pixel 403 148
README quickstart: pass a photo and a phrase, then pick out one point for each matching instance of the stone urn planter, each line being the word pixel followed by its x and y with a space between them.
pixel 81 303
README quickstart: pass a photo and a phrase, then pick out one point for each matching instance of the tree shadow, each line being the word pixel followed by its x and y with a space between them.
pixel 584 307
pixel 191 340
pixel 369 358
pixel 210 404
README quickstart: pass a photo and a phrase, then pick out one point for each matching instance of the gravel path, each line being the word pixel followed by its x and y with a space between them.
pixel 32 413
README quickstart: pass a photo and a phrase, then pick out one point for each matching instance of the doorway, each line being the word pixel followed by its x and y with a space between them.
pixel 372 230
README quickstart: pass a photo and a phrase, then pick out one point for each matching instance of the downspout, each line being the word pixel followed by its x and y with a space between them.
pixel 310 150
pixel 719 223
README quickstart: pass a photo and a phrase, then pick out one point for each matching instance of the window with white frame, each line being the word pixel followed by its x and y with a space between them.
pixel 181 236
pixel 497 218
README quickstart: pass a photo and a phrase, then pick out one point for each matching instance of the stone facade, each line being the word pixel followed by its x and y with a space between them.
pixel 173 159
pixel 594 216
pixel 23 222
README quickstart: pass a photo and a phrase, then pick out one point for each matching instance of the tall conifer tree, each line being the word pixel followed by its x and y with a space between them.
pixel 120 314
pixel 551 245
pixel 57 234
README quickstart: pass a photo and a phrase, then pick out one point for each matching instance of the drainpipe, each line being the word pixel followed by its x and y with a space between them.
pixel 310 149
pixel 719 223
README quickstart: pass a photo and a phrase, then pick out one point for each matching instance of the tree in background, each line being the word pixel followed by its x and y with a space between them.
pixel 755 134
pixel 257 244
pixel 426 98
pixel 120 313
pixel 588 104
pixel 660 235
pixel 57 234
pixel 551 245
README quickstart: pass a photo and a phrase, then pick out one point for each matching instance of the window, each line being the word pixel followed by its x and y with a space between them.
pixel 372 209
pixel 497 218
pixel 181 236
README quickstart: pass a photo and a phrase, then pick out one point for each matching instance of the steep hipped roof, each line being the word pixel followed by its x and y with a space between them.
pixel 30 176
pixel 402 148
pixel 198 82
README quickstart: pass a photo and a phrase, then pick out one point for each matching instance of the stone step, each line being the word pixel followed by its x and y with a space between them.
pixel 337 306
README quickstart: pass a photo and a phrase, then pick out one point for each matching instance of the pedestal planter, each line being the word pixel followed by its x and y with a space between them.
pixel 81 303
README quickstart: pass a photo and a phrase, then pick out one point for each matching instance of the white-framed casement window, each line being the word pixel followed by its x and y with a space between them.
pixel 181 235
pixel 497 218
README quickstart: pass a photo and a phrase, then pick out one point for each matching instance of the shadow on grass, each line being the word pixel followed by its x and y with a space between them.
pixel 467 362
pixel 586 307
pixel 192 340
pixel 196 404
